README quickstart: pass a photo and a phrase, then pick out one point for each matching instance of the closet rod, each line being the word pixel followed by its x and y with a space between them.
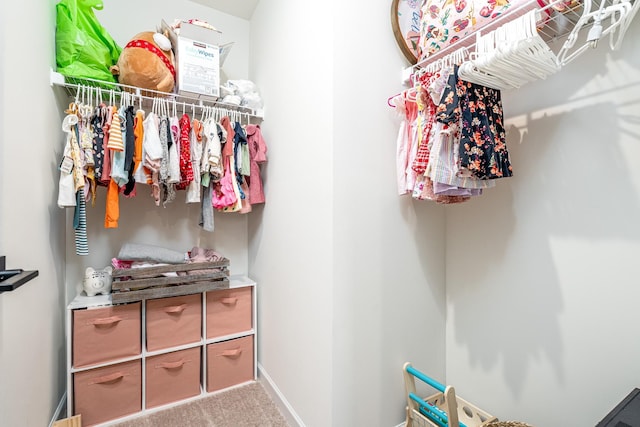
pixel 73 85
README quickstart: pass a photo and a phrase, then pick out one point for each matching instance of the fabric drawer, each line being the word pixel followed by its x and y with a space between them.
pixel 173 376
pixel 229 363
pixel 173 321
pixel 229 311
pixel 106 334
pixel 108 393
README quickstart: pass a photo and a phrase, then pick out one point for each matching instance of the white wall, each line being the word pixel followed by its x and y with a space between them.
pixel 146 15
pixel 351 277
pixel 292 237
pixel 32 349
pixel 389 283
pixel 542 285
pixel 176 226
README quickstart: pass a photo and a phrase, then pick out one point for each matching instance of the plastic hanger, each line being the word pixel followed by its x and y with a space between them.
pixel 498 65
pixel 615 45
pixel 532 52
pixel 527 52
pixel 470 70
pixel 619 13
pixel 513 36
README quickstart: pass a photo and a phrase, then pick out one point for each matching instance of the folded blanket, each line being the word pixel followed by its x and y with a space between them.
pixel 142 252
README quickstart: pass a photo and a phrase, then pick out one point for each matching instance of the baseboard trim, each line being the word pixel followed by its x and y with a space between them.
pixel 282 403
pixel 61 405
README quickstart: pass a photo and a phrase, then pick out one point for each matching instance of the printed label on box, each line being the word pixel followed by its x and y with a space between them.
pixel 199 67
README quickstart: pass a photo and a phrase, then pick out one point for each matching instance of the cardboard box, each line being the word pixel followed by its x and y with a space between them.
pixel 197 55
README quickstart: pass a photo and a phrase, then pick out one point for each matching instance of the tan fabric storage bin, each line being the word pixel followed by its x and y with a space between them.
pixel 106 334
pixel 108 393
pixel 174 321
pixel 229 363
pixel 229 311
pixel 173 376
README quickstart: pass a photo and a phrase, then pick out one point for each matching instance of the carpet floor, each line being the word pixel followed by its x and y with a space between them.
pixel 246 406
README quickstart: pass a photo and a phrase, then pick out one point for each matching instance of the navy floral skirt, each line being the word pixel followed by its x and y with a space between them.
pixel 482 150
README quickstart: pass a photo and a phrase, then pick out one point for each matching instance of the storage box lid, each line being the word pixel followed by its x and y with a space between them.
pixel 193 32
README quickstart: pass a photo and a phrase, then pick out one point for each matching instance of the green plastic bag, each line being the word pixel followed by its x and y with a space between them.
pixel 84 49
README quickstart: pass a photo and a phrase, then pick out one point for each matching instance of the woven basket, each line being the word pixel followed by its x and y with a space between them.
pixel 507 424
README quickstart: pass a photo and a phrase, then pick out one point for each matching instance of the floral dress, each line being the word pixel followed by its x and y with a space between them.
pixel 482 150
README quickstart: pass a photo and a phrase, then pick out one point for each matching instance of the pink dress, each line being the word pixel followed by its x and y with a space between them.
pixel 406 149
pixel 257 156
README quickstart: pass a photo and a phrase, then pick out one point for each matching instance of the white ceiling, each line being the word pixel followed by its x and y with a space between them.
pixel 240 8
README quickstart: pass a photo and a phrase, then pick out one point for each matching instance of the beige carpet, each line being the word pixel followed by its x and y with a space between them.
pixel 246 406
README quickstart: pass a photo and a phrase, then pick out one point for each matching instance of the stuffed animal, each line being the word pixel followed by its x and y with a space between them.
pixel 97 281
pixel 147 62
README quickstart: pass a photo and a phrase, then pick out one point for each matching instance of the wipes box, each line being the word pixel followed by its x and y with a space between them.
pixel 197 55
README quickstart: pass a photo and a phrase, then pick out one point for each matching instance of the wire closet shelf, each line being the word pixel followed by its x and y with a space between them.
pixel 102 90
pixel 558 19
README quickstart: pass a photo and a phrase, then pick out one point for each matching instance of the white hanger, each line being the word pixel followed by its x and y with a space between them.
pixel 532 52
pixel 527 52
pixel 508 38
pixel 493 63
pixel 615 45
pixel 620 14
pixel 472 72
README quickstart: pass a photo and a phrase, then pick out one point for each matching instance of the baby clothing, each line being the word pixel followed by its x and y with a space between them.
pixel 194 190
pixel 186 169
pixel 482 150
pixel 115 134
pixel 257 156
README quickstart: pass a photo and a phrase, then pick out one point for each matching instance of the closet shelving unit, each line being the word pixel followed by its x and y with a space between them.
pixel 74 87
pixel 210 345
pixel 554 26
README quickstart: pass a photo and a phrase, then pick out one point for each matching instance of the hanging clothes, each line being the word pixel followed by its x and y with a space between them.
pixel 211 161
pixel 130 149
pixel 173 142
pixel 112 212
pixel 138 154
pixel 119 147
pixel 153 151
pixel 240 140
pixel 119 130
pixel 455 140
pixel 80 225
pixel 257 158
pixel 186 169
pixel 105 176
pixel 407 109
pixel 426 119
pixel 194 190
pixel 482 150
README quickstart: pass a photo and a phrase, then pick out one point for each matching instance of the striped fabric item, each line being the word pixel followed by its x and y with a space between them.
pixel 115 133
pixel 443 167
pixel 80 225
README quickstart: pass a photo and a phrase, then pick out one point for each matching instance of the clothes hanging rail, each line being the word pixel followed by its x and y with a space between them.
pixel 148 97
pixel 576 16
